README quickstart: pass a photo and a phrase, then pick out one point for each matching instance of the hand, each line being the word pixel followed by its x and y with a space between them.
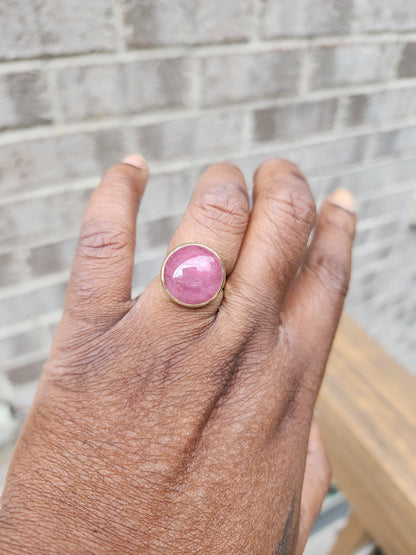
pixel 158 428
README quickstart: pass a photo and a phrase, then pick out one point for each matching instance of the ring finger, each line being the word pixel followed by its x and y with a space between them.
pixel 217 217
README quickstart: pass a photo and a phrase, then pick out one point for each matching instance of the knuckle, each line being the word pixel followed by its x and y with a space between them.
pixel 100 241
pixel 331 271
pixel 82 362
pixel 300 382
pixel 288 215
pixel 294 205
pixel 297 390
pixel 225 207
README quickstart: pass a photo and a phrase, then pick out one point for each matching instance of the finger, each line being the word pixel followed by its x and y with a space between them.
pixel 314 303
pixel 282 218
pixel 100 283
pixel 315 486
pixel 217 217
pixel 218 213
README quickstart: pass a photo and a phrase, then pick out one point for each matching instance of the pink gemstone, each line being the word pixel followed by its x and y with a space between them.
pixel 193 275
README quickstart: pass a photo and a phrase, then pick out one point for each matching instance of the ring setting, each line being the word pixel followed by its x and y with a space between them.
pixel 193 275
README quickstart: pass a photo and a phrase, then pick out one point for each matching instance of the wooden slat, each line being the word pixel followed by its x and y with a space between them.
pixel 367 415
pixel 351 537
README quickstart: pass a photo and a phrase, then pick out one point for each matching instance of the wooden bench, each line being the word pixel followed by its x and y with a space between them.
pixel 367 415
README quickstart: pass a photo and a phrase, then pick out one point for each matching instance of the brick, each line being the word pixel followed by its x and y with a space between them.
pixel 156 84
pixel 340 65
pixel 11 270
pixel 23 343
pixel 54 27
pixel 146 270
pixel 310 158
pixel 207 135
pixel 294 120
pixel 375 178
pixel 313 158
pixel 394 200
pixel 382 106
pixel 97 91
pixel 379 230
pixel 24 99
pixel 156 233
pixel 407 66
pixel 55 257
pixel 90 91
pixel 166 194
pixel 26 373
pixel 41 218
pixel 370 256
pixel 159 22
pixel 23 397
pixel 371 283
pixel 300 18
pixel 240 77
pixel 42 162
pixel 379 15
pixel 22 306
pixel 398 141
pixel 52 329
pixel 376 230
pixel 248 163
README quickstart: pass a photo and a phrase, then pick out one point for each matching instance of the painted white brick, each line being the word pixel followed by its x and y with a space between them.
pixel 382 15
pixel 341 65
pixel 301 18
pixel 159 22
pixel 398 141
pixel 31 28
pixel 294 121
pixel 381 107
pixel 206 135
pixel 53 161
pixel 239 77
pixel 103 90
pixel 24 99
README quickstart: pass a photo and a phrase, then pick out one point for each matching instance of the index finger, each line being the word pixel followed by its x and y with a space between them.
pixel 100 283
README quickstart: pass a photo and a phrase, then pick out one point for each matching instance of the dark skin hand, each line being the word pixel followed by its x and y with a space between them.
pixel 158 428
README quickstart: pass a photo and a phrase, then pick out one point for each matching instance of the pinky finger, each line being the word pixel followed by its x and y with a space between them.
pixel 315 301
pixel 315 486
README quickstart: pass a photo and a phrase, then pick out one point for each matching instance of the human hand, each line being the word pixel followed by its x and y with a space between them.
pixel 158 428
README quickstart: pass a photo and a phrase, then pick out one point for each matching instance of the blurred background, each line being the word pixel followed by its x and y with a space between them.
pixel 329 84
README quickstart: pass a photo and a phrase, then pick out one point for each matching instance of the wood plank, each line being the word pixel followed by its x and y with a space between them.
pixel 351 537
pixel 367 414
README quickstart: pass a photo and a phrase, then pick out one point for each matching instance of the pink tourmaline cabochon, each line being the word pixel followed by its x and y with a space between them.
pixel 193 275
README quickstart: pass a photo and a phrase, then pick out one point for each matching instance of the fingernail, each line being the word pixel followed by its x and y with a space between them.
pixel 343 199
pixel 135 160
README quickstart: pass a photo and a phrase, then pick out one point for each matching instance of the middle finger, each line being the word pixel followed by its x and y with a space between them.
pixel 274 245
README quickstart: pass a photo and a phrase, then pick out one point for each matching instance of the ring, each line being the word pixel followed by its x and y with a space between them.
pixel 193 275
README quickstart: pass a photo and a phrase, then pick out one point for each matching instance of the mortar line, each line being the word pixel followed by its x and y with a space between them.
pixel 206 49
pixel 19 135
pixel 181 164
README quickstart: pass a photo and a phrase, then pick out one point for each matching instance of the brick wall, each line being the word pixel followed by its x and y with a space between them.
pixel 330 85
